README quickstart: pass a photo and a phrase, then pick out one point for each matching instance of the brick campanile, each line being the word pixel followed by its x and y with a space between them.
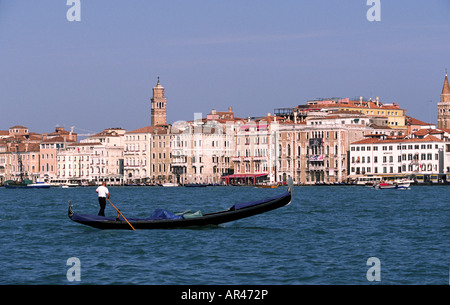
pixel 159 103
pixel 444 106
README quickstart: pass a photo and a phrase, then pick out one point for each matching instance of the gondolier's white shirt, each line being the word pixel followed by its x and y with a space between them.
pixel 102 191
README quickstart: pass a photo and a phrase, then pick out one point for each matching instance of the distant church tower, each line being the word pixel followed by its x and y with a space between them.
pixel 444 106
pixel 159 103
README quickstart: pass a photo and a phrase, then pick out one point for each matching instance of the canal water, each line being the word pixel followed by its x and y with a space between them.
pixel 327 235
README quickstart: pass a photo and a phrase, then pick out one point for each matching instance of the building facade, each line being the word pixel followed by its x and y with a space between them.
pixel 397 157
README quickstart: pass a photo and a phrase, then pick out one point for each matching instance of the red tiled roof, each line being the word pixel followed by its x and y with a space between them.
pixel 148 129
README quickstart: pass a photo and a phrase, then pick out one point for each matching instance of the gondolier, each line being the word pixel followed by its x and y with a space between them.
pixel 103 193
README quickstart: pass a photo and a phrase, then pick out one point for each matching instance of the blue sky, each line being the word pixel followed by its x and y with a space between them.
pixel 252 55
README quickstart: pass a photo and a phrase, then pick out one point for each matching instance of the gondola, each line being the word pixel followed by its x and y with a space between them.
pixel 166 220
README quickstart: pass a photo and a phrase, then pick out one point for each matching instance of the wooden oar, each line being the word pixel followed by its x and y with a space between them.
pixel 118 211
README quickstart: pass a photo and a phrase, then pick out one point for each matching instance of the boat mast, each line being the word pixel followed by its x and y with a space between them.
pixel 19 161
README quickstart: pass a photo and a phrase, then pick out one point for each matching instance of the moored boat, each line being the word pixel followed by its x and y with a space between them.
pixel 39 185
pixel 11 184
pixel 392 185
pixel 267 186
pixel 169 184
pixel 25 184
pixel 162 219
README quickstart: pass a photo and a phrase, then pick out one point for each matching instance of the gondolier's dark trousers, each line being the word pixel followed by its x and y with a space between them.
pixel 102 202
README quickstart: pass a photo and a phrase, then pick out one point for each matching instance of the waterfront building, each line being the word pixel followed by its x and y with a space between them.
pixel 397 156
pixel 24 161
pixel 316 150
pixel 444 106
pixel 19 154
pixel 137 155
pixel 97 158
pixel 147 155
pixel 254 158
pixel 80 162
pixel 160 166
pixel 51 144
pixel 49 149
pixel 202 149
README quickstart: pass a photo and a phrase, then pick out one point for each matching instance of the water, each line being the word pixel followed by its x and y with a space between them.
pixel 325 236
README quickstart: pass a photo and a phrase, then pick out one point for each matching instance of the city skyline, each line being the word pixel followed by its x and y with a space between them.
pixel 99 72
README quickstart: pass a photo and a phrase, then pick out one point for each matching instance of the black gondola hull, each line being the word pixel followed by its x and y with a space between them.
pixel 216 218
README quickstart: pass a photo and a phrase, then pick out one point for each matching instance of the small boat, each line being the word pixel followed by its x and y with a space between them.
pixel 385 185
pixel 39 185
pixel 69 184
pixel 403 184
pixel 392 185
pixel 11 184
pixel 267 186
pixel 28 184
pixel 162 219
pixel 169 184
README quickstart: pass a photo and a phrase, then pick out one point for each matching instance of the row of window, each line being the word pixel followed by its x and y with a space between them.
pixel 390 159
pixel 391 147
pixel 390 169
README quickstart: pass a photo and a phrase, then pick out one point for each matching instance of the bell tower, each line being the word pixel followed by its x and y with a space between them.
pixel 444 106
pixel 159 104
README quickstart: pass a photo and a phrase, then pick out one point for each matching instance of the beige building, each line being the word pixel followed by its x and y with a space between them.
pixel 49 149
pixel 97 158
pixel 137 155
pixel 202 151
pixel 147 155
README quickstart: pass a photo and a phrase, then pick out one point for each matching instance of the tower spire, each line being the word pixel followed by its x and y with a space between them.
pixel 446 88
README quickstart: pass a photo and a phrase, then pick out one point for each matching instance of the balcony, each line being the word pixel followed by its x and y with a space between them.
pixel 260 158
pixel 315 158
